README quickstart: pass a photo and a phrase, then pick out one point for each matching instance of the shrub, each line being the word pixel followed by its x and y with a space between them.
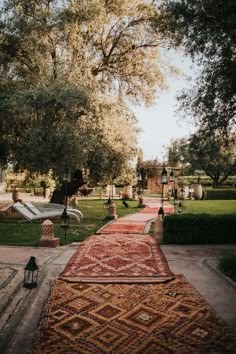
pixel 199 228
pixel 220 194
pixel 227 265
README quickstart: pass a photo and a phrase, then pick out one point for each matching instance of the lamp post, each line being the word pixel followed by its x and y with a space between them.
pixel 65 218
pixel 139 178
pixel 113 181
pixel 163 182
pixel 66 180
pixel 172 179
pixel 65 221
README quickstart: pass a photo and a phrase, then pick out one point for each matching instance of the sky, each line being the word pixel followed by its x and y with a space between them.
pixel 160 122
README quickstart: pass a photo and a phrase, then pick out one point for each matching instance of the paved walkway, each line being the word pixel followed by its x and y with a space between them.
pixel 20 309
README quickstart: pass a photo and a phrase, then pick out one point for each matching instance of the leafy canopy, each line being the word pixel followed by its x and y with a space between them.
pixel 214 154
pixel 206 30
pixel 66 71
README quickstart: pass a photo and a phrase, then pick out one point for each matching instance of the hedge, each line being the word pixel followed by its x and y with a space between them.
pixel 220 194
pixel 227 265
pixel 199 228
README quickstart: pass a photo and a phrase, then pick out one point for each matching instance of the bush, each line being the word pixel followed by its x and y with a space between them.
pixel 227 265
pixel 199 228
pixel 220 194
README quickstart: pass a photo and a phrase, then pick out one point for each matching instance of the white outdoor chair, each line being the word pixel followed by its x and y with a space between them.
pixel 30 216
pixel 51 207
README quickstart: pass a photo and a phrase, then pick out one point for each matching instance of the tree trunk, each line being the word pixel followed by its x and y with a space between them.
pixel 69 189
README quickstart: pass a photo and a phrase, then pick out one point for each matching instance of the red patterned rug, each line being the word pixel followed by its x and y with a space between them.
pixel 118 258
pixel 133 319
pixel 168 209
pixel 123 227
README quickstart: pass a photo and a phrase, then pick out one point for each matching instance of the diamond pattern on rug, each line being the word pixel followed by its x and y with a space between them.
pixel 148 325
pixel 118 258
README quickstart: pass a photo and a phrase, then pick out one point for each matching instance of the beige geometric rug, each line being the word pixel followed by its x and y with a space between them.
pixel 130 318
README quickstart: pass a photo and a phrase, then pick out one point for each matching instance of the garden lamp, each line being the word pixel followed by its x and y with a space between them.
pixel 182 193
pixel 112 187
pixel 66 180
pixel 31 274
pixel 180 208
pixel 163 182
pixel 164 175
pixel 172 179
pixel 65 221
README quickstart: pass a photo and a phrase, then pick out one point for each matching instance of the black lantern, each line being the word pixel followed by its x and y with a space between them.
pixel 67 175
pixel 182 193
pixel 164 175
pixel 66 180
pixel 65 221
pixel 163 181
pixel 180 208
pixel 172 179
pixel 31 274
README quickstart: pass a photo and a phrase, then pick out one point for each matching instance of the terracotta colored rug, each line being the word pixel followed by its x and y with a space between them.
pixel 154 210
pixel 124 227
pixel 118 258
pixel 136 319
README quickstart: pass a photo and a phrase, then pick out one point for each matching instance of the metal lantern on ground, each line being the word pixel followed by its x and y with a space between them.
pixel 31 274
pixel 65 221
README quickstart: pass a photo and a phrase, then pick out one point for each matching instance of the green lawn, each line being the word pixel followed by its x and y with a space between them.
pixel 16 233
pixel 209 206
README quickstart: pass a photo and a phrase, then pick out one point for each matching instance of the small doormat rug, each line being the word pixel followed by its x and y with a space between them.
pixel 132 319
pixel 118 258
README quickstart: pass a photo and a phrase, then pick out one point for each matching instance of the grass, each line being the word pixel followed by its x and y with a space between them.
pixel 227 265
pixel 209 206
pixel 15 233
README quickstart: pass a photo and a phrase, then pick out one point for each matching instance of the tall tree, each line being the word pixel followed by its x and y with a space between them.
pixel 215 155
pixel 206 30
pixel 58 63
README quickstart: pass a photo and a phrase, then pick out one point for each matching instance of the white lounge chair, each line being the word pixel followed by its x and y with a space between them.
pixel 30 216
pixel 51 207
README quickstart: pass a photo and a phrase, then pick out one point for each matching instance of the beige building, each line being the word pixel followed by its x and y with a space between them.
pixel 150 172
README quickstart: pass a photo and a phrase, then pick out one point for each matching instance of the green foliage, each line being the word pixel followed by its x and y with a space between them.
pixel 220 194
pixel 212 155
pixel 227 265
pixel 28 234
pixel 199 229
pixel 206 31
pixel 66 71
